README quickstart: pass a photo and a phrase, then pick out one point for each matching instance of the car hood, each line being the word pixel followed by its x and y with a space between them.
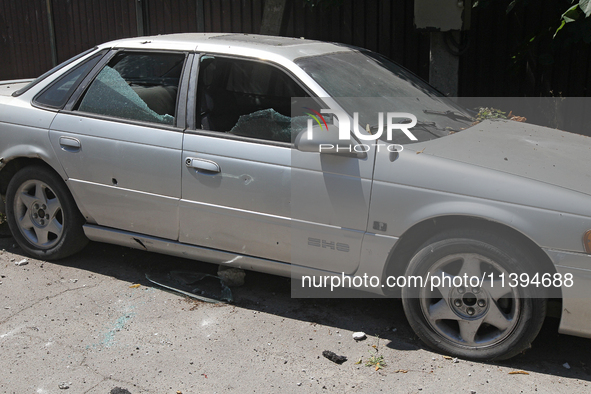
pixel 539 153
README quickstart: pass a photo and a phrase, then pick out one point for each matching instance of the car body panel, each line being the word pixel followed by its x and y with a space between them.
pixel 132 169
pixel 25 132
pixel 427 186
pixel 576 315
pixel 274 196
pixel 183 250
pixel 529 151
pixel 244 208
pixel 7 88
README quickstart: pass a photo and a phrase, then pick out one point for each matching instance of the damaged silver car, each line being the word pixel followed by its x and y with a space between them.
pixel 201 146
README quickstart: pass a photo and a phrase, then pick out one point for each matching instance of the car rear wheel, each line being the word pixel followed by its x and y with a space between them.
pixel 465 307
pixel 42 214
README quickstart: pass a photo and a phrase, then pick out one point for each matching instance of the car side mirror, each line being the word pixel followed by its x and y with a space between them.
pixel 326 141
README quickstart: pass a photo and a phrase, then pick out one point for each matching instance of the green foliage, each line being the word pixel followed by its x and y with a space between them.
pixel 570 25
pixel 375 360
pixel 2 218
pixel 577 15
pixel 573 22
pixel 490 113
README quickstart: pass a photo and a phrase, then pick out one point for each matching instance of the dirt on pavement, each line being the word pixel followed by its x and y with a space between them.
pixel 83 325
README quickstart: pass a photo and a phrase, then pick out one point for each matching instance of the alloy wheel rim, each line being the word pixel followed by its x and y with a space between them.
pixel 470 316
pixel 39 214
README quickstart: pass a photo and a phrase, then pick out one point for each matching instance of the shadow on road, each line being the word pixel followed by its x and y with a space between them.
pixel 376 317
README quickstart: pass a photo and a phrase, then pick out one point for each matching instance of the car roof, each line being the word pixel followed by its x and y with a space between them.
pixel 232 43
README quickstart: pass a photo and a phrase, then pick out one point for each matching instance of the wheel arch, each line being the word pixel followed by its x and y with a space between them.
pixel 13 166
pixel 412 239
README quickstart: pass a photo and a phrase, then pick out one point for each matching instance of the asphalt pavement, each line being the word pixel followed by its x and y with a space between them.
pixel 92 323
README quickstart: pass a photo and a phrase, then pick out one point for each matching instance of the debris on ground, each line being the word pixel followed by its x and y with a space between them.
pixel 455 360
pixel 64 385
pixel 334 357
pixel 119 390
pixel 518 373
pixel 135 286
pixel 566 365
pixel 232 277
pixel 515 117
pixel 485 113
pixel 22 262
pixel 204 287
pixel 401 371
pixel 358 336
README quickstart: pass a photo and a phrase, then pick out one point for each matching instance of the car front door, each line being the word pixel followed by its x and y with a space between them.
pixel 246 190
pixel 120 143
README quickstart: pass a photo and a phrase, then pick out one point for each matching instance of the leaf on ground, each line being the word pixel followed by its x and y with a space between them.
pixel 518 373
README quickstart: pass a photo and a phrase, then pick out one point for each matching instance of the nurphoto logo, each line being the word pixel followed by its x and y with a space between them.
pixel 345 129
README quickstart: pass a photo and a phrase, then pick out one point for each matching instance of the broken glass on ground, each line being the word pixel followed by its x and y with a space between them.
pixel 231 276
pixel 204 287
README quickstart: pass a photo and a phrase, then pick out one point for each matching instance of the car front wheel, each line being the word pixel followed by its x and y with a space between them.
pixel 42 214
pixel 466 306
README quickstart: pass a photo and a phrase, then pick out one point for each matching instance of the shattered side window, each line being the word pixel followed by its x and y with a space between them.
pixel 136 86
pixel 268 124
pixel 247 98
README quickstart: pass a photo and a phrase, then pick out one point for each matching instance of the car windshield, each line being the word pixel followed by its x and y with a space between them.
pixel 349 76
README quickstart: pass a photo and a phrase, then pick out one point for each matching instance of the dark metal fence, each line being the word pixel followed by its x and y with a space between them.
pixel 25 45
pixel 32 30
pixel 35 34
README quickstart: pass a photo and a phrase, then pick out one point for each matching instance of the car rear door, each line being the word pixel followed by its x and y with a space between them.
pixel 120 142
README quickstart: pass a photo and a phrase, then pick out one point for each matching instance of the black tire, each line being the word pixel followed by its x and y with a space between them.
pixel 42 214
pixel 4 229
pixel 482 322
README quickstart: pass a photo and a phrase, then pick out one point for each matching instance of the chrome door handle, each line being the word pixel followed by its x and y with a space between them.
pixel 70 144
pixel 202 164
